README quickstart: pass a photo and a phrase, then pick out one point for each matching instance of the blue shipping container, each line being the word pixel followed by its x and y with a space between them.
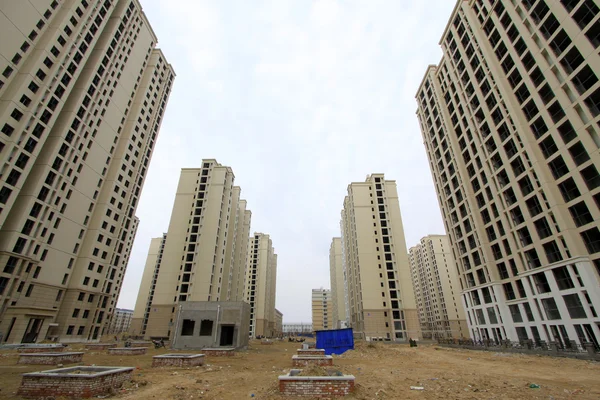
pixel 335 341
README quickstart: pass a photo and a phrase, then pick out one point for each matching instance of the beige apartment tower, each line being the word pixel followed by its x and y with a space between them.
pixel 260 285
pixel 381 301
pixel 338 285
pixel 322 309
pixel 437 289
pixel 82 96
pixel 510 121
pixel 195 259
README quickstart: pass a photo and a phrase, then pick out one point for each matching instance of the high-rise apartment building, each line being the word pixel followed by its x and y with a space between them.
pixel 82 95
pixel 510 122
pixel 437 289
pixel 260 285
pixel 381 301
pixel 338 285
pixel 195 260
pixel 139 321
pixel 121 320
pixel 322 309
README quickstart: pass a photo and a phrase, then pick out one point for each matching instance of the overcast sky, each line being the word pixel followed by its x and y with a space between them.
pixel 300 98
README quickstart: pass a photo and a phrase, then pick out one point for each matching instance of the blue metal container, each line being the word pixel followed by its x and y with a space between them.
pixel 335 341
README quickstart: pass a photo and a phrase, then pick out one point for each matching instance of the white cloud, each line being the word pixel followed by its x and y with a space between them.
pixel 300 98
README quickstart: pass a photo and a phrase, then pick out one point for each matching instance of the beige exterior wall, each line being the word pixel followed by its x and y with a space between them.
pixel 338 284
pixel 381 301
pixel 238 273
pixel 198 260
pixel 510 123
pixel 437 289
pixel 260 285
pixel 322 309
pixel 147 286
pixel 80 109
pixel 278 322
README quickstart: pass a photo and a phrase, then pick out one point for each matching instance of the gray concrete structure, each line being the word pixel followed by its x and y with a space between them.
pixel 202 324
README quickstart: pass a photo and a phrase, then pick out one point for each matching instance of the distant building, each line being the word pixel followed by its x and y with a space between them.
pixel 278 322
pixel 202 257
pixel 338 284
pixel 260 285
pixel 296 328
pixel 321 309
pixel 437 289
pixel 121 320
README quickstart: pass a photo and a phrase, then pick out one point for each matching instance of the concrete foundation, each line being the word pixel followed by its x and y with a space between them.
pixel 315 386
pixel 100 346
pixel 50 358
pixel 74 382
pixel 41 349
pixel 219 352
pixel 128 351
pixel 178 360
pixel 311 352
pixel 304 361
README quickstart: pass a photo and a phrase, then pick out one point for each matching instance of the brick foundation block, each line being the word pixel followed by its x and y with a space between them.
pixel 50 358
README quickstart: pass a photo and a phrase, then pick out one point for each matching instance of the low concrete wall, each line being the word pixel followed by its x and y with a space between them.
pixel 50 358
pixel 217 352
pixel 590 356
pixel 178 360
pixel 78 382
pixel 141 344
pixel 41 349
pixel 267 342
pixel 303 361
pixel 315 386
pixel 100 346
pixel 127 351
pixel 311 352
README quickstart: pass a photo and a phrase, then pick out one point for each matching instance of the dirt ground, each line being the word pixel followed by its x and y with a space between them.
pixel 382 371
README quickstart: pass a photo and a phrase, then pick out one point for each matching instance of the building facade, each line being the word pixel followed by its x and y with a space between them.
pixel 139 321
pixel 278 322
pixel 437 289
pixel 83 91
pixel 297 328
pixel 195 260
pixel 322 309
pixel 509 119
pixel 381 301
pixel 121 321
pixel 338 284
pixel 209 324
pixel 260 285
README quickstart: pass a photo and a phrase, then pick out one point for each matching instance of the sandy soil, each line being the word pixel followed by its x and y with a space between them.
pixel 382 371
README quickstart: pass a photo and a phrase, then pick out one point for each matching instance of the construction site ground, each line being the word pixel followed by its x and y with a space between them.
pixel 382 371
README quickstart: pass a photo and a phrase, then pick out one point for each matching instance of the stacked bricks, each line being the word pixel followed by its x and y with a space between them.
pixel 100 346
pixel 316 386
pixel 127 351
pixel 225 352
pixel 178 360
pixel 50 358
pixel 311 352
pixel 42 349
pixel 54 383
pixel 303 361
